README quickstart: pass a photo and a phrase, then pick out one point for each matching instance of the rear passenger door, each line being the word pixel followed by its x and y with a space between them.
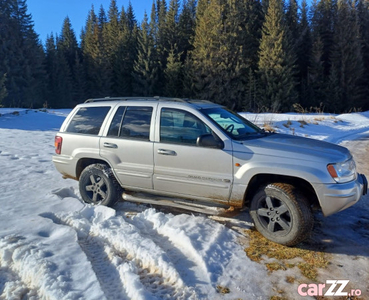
pixel 127 145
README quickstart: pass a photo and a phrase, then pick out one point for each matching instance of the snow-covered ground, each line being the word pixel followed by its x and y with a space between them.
pixel 53 246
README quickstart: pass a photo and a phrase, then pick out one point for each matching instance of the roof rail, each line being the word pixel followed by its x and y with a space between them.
pixel 157 98
pixel 117 99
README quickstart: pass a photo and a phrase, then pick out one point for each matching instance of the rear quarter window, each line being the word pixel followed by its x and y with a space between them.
pixel 88 120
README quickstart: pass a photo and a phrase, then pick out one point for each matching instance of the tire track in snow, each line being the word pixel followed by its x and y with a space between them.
pixel 121 272
pixel 185 261
pixel 188 243
pixel 13 288
pixel 28 274
pixel 106 272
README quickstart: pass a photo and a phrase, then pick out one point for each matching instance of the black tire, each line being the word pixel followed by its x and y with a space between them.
pixel 281 214
pixel 98 185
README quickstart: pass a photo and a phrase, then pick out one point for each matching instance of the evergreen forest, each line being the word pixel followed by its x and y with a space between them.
pixel 250 55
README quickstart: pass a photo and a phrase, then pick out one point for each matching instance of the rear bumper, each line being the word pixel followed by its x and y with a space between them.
pixel 65 165
pixel 339 196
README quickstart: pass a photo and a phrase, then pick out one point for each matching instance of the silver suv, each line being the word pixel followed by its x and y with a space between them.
pixel 201 156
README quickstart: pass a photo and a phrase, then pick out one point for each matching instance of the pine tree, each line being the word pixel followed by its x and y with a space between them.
pixel 317 81
pixel 188 85
pixel 172 26
pixel 323 14
pixel 206 45
pixel 363 22
pixel 347 64
pixel 276 62
pixel 251 92
pixel 68 46
pixel 3 91
pixel 145 72
pixel 59 83
pixel 22 56
pixel 67 42
pixel 51 65
pixel 173 74
pixel 8 49
pixel 304 42
pixel 292 21
pixel 126 54
pixel 249 20
pixel 131 19
pixel 162 44
pixel 303 53
pixel 64 80
pixel 112 36
pixel 79 83
pixel 186 27
pixel 97 68
pixel 219 71
pixel 112 32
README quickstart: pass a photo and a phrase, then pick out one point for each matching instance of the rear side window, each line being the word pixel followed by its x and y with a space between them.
pixel 88 120
pixel 136 123
pixel 131 122
pixel 116 123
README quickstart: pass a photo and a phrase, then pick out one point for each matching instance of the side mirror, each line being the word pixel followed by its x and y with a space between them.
pixel 209 141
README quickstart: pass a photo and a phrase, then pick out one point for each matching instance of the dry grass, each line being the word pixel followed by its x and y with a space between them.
pixel 260 248
pixel 268 127
pixel 319 119
pixel 288 124
pixel 303 123
pixel 278 298
pixel 290 279
pixel 275 266
pixel 339 298
pixel 313 109
pixel 223 290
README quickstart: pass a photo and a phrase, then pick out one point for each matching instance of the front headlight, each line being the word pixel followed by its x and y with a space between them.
pixel 343 172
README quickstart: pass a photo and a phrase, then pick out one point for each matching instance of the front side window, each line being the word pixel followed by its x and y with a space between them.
pixel 231 123
pixel 88 120
pixel 180 127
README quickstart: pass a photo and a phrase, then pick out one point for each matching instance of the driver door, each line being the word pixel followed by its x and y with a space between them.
pixel 184 168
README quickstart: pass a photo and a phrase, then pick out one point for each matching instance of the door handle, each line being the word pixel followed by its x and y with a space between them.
pixel 110 145
pixel 166 152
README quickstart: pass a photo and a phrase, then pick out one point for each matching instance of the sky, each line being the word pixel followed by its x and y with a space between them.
pixel 48 15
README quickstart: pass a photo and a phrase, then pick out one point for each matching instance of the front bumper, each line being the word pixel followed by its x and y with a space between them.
pixel 339 196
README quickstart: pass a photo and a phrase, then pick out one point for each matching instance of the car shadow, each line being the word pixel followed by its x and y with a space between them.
pixel 346 232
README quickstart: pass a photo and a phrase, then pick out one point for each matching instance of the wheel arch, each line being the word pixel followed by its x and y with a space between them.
pixel 259 180
pixel 85 162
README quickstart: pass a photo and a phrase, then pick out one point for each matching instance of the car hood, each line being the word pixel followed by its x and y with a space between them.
pixel 294 147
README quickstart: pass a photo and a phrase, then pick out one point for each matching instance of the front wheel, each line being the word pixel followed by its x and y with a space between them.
pixel 281 214
pixel 98 185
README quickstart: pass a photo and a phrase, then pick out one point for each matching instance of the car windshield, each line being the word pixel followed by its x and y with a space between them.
pixel 232 124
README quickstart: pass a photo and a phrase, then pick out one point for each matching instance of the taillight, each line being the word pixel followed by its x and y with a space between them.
pixel 58 144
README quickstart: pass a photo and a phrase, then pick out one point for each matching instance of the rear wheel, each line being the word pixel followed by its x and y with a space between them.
pixel 281 214
pixel 98 185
